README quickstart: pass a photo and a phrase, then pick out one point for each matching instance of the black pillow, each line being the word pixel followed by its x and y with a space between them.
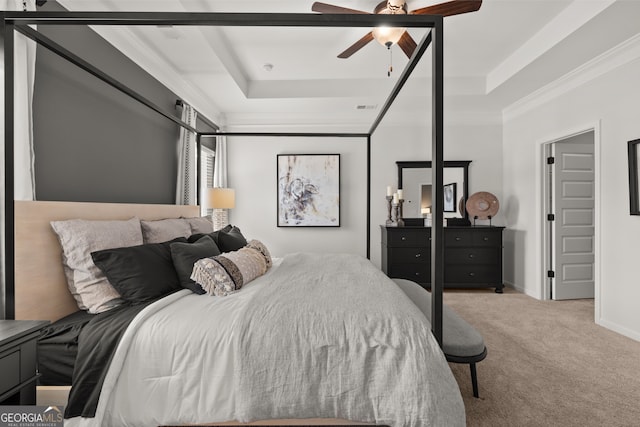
pixel 214 235
pixel 184 255
pixel 140 273
pixel 231 240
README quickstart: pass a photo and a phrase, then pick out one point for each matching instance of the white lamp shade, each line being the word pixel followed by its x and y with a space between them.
pixel 221 198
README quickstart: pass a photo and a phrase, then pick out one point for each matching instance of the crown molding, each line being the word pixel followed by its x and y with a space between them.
pixel 131 46
pixel 614 58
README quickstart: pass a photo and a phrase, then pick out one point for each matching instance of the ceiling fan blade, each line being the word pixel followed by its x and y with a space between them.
pixel 329 8
pixel 407 44
pixel 357 46
pixel 454 7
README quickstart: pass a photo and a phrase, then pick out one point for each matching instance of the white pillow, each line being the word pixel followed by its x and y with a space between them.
pixel 78 239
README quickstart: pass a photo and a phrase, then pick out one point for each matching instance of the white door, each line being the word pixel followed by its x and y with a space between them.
pixel 572 229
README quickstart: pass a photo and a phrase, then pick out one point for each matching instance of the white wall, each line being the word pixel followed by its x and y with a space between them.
pixel 609 104
pixel 480 143
pixel 252 173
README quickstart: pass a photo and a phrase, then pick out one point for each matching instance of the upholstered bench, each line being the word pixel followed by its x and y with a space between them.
pixel 461 343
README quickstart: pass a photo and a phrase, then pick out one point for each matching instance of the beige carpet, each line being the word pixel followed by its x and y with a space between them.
pixel 548 364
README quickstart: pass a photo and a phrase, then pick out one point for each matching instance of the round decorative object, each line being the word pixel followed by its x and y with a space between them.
pixel 482 205
pixel 461 206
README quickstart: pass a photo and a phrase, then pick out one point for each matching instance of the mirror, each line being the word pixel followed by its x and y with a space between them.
pixel 414 177
pixel 634 173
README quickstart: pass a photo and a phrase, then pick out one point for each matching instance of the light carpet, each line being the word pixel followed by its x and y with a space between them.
pixel 548 363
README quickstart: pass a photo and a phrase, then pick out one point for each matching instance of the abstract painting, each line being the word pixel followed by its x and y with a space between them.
pixel 308 190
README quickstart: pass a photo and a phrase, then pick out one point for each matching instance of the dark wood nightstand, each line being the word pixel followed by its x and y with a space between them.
pixel 18 361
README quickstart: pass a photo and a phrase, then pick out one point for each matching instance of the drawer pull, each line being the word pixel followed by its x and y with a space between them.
pixel 485 239
pixel 472 274
pixel 417 274
pixel 470 255
pixel 403 238
pixel 418 255
pixel 458 239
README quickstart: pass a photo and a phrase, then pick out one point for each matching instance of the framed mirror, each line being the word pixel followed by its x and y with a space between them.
pixel 414 177
pixel 634 188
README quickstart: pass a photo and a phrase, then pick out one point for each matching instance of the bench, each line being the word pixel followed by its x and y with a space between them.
pixel 461 342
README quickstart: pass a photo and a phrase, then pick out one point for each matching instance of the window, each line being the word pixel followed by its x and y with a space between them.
pixel 207 157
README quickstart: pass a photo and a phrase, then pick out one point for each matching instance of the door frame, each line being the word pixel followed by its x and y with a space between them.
pixel 543 197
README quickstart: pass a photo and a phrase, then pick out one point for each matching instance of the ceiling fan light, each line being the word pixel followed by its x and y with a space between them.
pixel 388 36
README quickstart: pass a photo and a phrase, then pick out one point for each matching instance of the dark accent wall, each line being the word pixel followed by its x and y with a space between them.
pixel 91 142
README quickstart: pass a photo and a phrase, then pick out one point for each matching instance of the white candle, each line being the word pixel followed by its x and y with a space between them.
pixel 395 198
pixel 400 193
pixel 389 192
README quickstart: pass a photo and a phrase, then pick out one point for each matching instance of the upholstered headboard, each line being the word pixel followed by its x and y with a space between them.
pixel 41 291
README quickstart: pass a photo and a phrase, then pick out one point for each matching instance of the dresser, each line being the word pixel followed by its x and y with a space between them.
pixel 472 255
pixel 18 361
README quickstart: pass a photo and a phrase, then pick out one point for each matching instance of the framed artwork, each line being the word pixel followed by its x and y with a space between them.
pixel 308 190
pixel 634 174
pixel 450 197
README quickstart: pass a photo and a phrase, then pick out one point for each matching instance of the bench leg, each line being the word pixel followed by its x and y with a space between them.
pixel 474 379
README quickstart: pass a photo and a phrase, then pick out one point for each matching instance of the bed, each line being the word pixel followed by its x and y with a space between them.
pixel 324 338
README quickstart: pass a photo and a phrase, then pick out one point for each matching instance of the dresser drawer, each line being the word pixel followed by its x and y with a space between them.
pixel 417 272
pixel 468 273
pixel 454 237
pixel 410 255
pixel 9 370
pixel 471 256
pixel 409 238
pixel 487 238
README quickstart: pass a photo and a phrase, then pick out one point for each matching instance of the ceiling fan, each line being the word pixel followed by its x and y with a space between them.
pixel 389 36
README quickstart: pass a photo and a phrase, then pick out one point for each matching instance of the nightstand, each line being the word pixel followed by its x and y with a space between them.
pixel 18 361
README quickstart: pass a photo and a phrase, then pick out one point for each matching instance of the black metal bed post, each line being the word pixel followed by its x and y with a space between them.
pixel 9 191
pixel 198 169
pixel 369 196
pixel 21 20
pixel 437 159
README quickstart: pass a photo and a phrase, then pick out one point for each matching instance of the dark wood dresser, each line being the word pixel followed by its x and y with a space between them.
pixel 472 255
pixel 18 361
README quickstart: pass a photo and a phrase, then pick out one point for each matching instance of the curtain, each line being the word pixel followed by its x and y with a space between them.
pixel 186 187
pixel 24 71
pixel 220 165
pixel 220 216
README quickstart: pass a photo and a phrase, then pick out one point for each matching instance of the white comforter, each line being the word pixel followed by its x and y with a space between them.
pixel 317 336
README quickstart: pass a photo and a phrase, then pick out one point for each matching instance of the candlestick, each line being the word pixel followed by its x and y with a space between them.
pixel 395 198
pixel 389 191
pixel 400 220
pixel 400 194
pixel 389 220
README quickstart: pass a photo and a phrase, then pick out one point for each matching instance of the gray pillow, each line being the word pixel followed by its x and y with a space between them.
pixel 163 230
pixel 200 224
pixel 78 239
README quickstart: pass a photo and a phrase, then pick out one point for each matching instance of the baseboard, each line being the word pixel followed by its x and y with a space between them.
pixel 634 335
pixel 514 287
pixel 52 395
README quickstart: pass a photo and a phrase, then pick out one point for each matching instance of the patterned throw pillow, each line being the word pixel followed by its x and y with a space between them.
pixel 224 274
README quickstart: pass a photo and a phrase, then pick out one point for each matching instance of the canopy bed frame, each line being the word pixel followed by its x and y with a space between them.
pixel 21 21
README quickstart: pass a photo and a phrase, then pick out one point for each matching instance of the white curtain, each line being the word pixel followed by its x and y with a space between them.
pixel 220 216
pixel 24 71
pixel 220 163
pixel 186 187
